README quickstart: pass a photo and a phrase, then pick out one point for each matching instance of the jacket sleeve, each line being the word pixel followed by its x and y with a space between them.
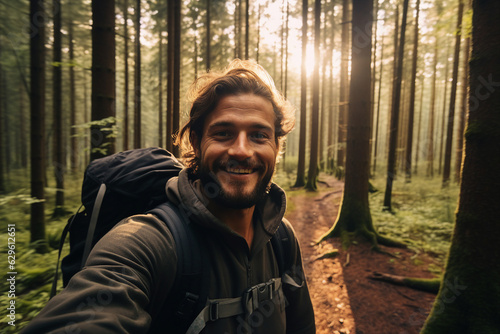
pixel 299 310
pixel 120 286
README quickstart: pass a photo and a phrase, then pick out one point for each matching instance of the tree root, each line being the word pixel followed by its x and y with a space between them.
pixel 422 284
pixel 329 255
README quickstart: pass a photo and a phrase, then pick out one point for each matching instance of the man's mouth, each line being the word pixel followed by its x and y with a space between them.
pixel 240 170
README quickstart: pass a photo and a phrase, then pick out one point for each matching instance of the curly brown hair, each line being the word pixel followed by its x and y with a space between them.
pixel 240 77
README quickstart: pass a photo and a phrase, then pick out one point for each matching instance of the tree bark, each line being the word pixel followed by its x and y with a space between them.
pixel 468 298
pixel 74 158
pixel 125 80
pixel 463 109
pixel 37 116
pixel 301 166
pixel 137 77
pixel 393 131
pixel 430 147
pixel 209 37
pixel 312 174
pixel 411 111
pixel 170 72
pixel 453 95
pixel 344 83
pixel 176 73
pixel 103 78
pixel 354 216
pixel 58 163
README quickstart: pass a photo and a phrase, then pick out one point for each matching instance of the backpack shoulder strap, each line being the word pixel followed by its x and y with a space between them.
pixel 282 246
pixel 192 282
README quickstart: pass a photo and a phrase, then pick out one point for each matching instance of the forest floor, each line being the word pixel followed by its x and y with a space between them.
pixel 345 300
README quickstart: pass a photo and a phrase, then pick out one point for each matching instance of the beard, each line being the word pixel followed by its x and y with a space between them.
pixel 237 198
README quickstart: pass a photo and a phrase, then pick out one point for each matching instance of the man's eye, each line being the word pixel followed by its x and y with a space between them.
pixel 222 134
pixel 260 135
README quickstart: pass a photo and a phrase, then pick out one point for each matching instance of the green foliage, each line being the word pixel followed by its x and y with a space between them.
pixel 34 271
pixel 423 215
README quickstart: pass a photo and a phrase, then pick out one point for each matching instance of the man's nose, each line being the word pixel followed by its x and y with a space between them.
pixel 241 147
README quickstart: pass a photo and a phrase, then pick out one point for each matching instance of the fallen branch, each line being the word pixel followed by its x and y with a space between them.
pixel 422 284
pixel 329 255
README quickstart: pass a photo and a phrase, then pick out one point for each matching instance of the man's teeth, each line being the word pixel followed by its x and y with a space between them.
pixel 240 170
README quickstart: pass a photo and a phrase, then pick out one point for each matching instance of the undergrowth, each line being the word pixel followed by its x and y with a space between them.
pixel 35 272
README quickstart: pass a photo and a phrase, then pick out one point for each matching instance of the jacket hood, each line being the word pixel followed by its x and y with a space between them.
pixel 186 192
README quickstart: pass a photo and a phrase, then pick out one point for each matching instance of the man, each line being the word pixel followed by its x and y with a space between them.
pixel 232 141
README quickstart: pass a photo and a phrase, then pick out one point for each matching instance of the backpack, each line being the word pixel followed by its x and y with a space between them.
pixel 133 182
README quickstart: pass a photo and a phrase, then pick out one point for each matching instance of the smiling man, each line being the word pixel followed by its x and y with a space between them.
pixel 231 143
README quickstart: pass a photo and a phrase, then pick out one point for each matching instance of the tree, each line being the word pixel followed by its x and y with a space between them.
pixel 394 122
pixel 411 112
pixel 463 107
pixel 59 154
pixel 354 216
pixel 125 74
pixel 103 78
pixel 37 115
pixel 344 84
pixel 137 76
pixel 176 72
pixel 453 95
pixel 72 97
pixel 313 155
pixel 301 167
pixel 468 298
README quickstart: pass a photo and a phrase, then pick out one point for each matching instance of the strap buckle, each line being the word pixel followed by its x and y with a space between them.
pixel 256 294
pixel 213 310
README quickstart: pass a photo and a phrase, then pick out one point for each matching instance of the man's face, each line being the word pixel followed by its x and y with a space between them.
pixel 238 150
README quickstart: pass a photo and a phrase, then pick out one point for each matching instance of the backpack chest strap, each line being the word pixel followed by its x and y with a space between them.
pixel 229 307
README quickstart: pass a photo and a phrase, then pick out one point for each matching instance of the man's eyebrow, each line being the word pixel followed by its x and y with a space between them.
pixel 226 124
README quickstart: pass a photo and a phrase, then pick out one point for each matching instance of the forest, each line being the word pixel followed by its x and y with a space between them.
pixel 391 172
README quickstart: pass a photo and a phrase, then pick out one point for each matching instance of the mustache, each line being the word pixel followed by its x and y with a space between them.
pixel 232 163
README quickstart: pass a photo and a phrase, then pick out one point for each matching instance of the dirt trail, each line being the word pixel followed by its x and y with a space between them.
pixel 345 300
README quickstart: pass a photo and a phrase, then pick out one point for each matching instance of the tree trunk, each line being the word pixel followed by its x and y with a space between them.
pixel 160 85
pixel 103 78
pixel 301 166
pixel 176 73
pixel 430 147
pixel 312 174
pixel 453 95
pixel 170 72
pixel 468 298
pixel 125 80
pixel 58 163
pixel 247 28
pixel 332 98
pixel 344 82
pixel 354 216
pixel 377 116
pixel 411 112
pixel 393 131
pixel 37 116
pixel 209 37
pixel 463 108
pixel 419 126
pixel 74 158
pixel 137 77
pixel 443 114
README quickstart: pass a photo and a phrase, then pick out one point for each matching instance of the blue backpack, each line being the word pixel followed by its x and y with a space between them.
pixel 133 182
